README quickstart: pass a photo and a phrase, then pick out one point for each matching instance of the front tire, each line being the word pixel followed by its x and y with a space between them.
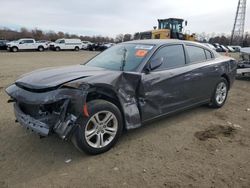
pixel 220 94
pixel 14 49
pixel 57 49
pixel 101 130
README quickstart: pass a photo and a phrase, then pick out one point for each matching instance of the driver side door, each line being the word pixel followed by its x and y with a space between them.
pixel 165 88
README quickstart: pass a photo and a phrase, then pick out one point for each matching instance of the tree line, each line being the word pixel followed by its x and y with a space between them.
pixel 38 34
pixel 223 39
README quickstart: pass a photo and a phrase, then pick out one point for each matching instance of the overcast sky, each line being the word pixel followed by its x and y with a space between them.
pixel 111 17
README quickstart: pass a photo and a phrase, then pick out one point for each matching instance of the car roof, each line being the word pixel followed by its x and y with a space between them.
pixel 159 42
pixel 26 39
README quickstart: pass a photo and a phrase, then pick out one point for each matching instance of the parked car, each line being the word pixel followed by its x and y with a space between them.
pixel 26 44
pixel 97 47
pixel 66 44
pixel 124 87
pixel 224 49
pixel 108 45
pixel 209 45
pixel 244 63
pixel 218 47
pixel 236 48
pixel 3 44
pixel 230 49
pixel 86 45
pixel 44 41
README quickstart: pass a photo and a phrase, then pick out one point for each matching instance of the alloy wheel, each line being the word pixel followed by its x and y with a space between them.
pixel 101 129
pixel 221 93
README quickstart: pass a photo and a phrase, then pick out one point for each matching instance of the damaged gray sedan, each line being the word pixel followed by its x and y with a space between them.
pixel 120 89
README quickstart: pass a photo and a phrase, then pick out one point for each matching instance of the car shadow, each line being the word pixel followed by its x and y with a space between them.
pixel 168 120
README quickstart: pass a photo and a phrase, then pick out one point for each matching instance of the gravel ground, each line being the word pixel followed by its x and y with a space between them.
pixel 201 147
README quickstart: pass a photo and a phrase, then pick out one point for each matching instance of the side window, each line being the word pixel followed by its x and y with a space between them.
pixel 208 54
pixel 196 54
pixel 29 41
pixel 173 56
pixel 62 42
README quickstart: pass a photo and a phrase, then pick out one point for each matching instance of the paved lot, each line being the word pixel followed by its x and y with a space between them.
pixel 174 152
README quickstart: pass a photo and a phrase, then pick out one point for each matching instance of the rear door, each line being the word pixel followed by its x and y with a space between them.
pixel 203 71
pixel 29 44
pixel 165 89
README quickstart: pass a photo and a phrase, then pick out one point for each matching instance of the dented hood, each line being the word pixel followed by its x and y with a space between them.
pixel 56 76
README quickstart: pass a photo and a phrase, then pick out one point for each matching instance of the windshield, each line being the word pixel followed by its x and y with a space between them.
pixel 125 57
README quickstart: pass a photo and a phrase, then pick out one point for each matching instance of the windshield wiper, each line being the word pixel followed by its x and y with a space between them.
pixel 123 59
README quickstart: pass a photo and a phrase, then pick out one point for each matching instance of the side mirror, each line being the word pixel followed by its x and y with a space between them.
pixel 21 42
pixel 156 63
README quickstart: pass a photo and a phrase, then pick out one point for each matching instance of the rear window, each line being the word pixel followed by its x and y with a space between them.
pixel 196 54
pixel 28 41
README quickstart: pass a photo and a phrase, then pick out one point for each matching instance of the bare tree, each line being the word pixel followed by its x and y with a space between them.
pixel 119 38
pixel 38 34
pixel 127 37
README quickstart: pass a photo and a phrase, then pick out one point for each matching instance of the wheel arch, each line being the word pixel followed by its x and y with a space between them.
pixel 40 46
pixel 108 94
pixel 227 79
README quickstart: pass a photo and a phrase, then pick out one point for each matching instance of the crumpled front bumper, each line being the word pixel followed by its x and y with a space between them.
pixel 55 111
pixel 31 123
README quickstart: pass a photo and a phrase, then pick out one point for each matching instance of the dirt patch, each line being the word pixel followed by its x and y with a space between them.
pixel 215 131
pixel 221 115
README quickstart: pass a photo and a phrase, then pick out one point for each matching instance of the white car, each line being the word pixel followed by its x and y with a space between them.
pixel 236 48
pixel 26 44
pixel 86 44
pixel 66 44
pixel 108 45
pixel 209 45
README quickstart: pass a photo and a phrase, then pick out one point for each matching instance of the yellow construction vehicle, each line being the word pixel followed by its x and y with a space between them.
pixel 171 28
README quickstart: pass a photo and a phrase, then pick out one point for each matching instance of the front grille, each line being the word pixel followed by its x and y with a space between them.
pixel 39 111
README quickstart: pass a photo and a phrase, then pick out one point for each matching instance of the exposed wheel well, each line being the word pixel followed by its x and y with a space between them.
pixel 227 78
pixel 108 95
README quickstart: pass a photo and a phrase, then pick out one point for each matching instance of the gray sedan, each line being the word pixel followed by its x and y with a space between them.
pixel 123 87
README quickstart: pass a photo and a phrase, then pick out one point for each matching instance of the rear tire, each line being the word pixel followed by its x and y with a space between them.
pixel 101 130
pixel 220 94
pixel 77 48
pixel 40 48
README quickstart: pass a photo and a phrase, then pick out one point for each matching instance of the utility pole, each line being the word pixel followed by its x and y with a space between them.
pixel 239 24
